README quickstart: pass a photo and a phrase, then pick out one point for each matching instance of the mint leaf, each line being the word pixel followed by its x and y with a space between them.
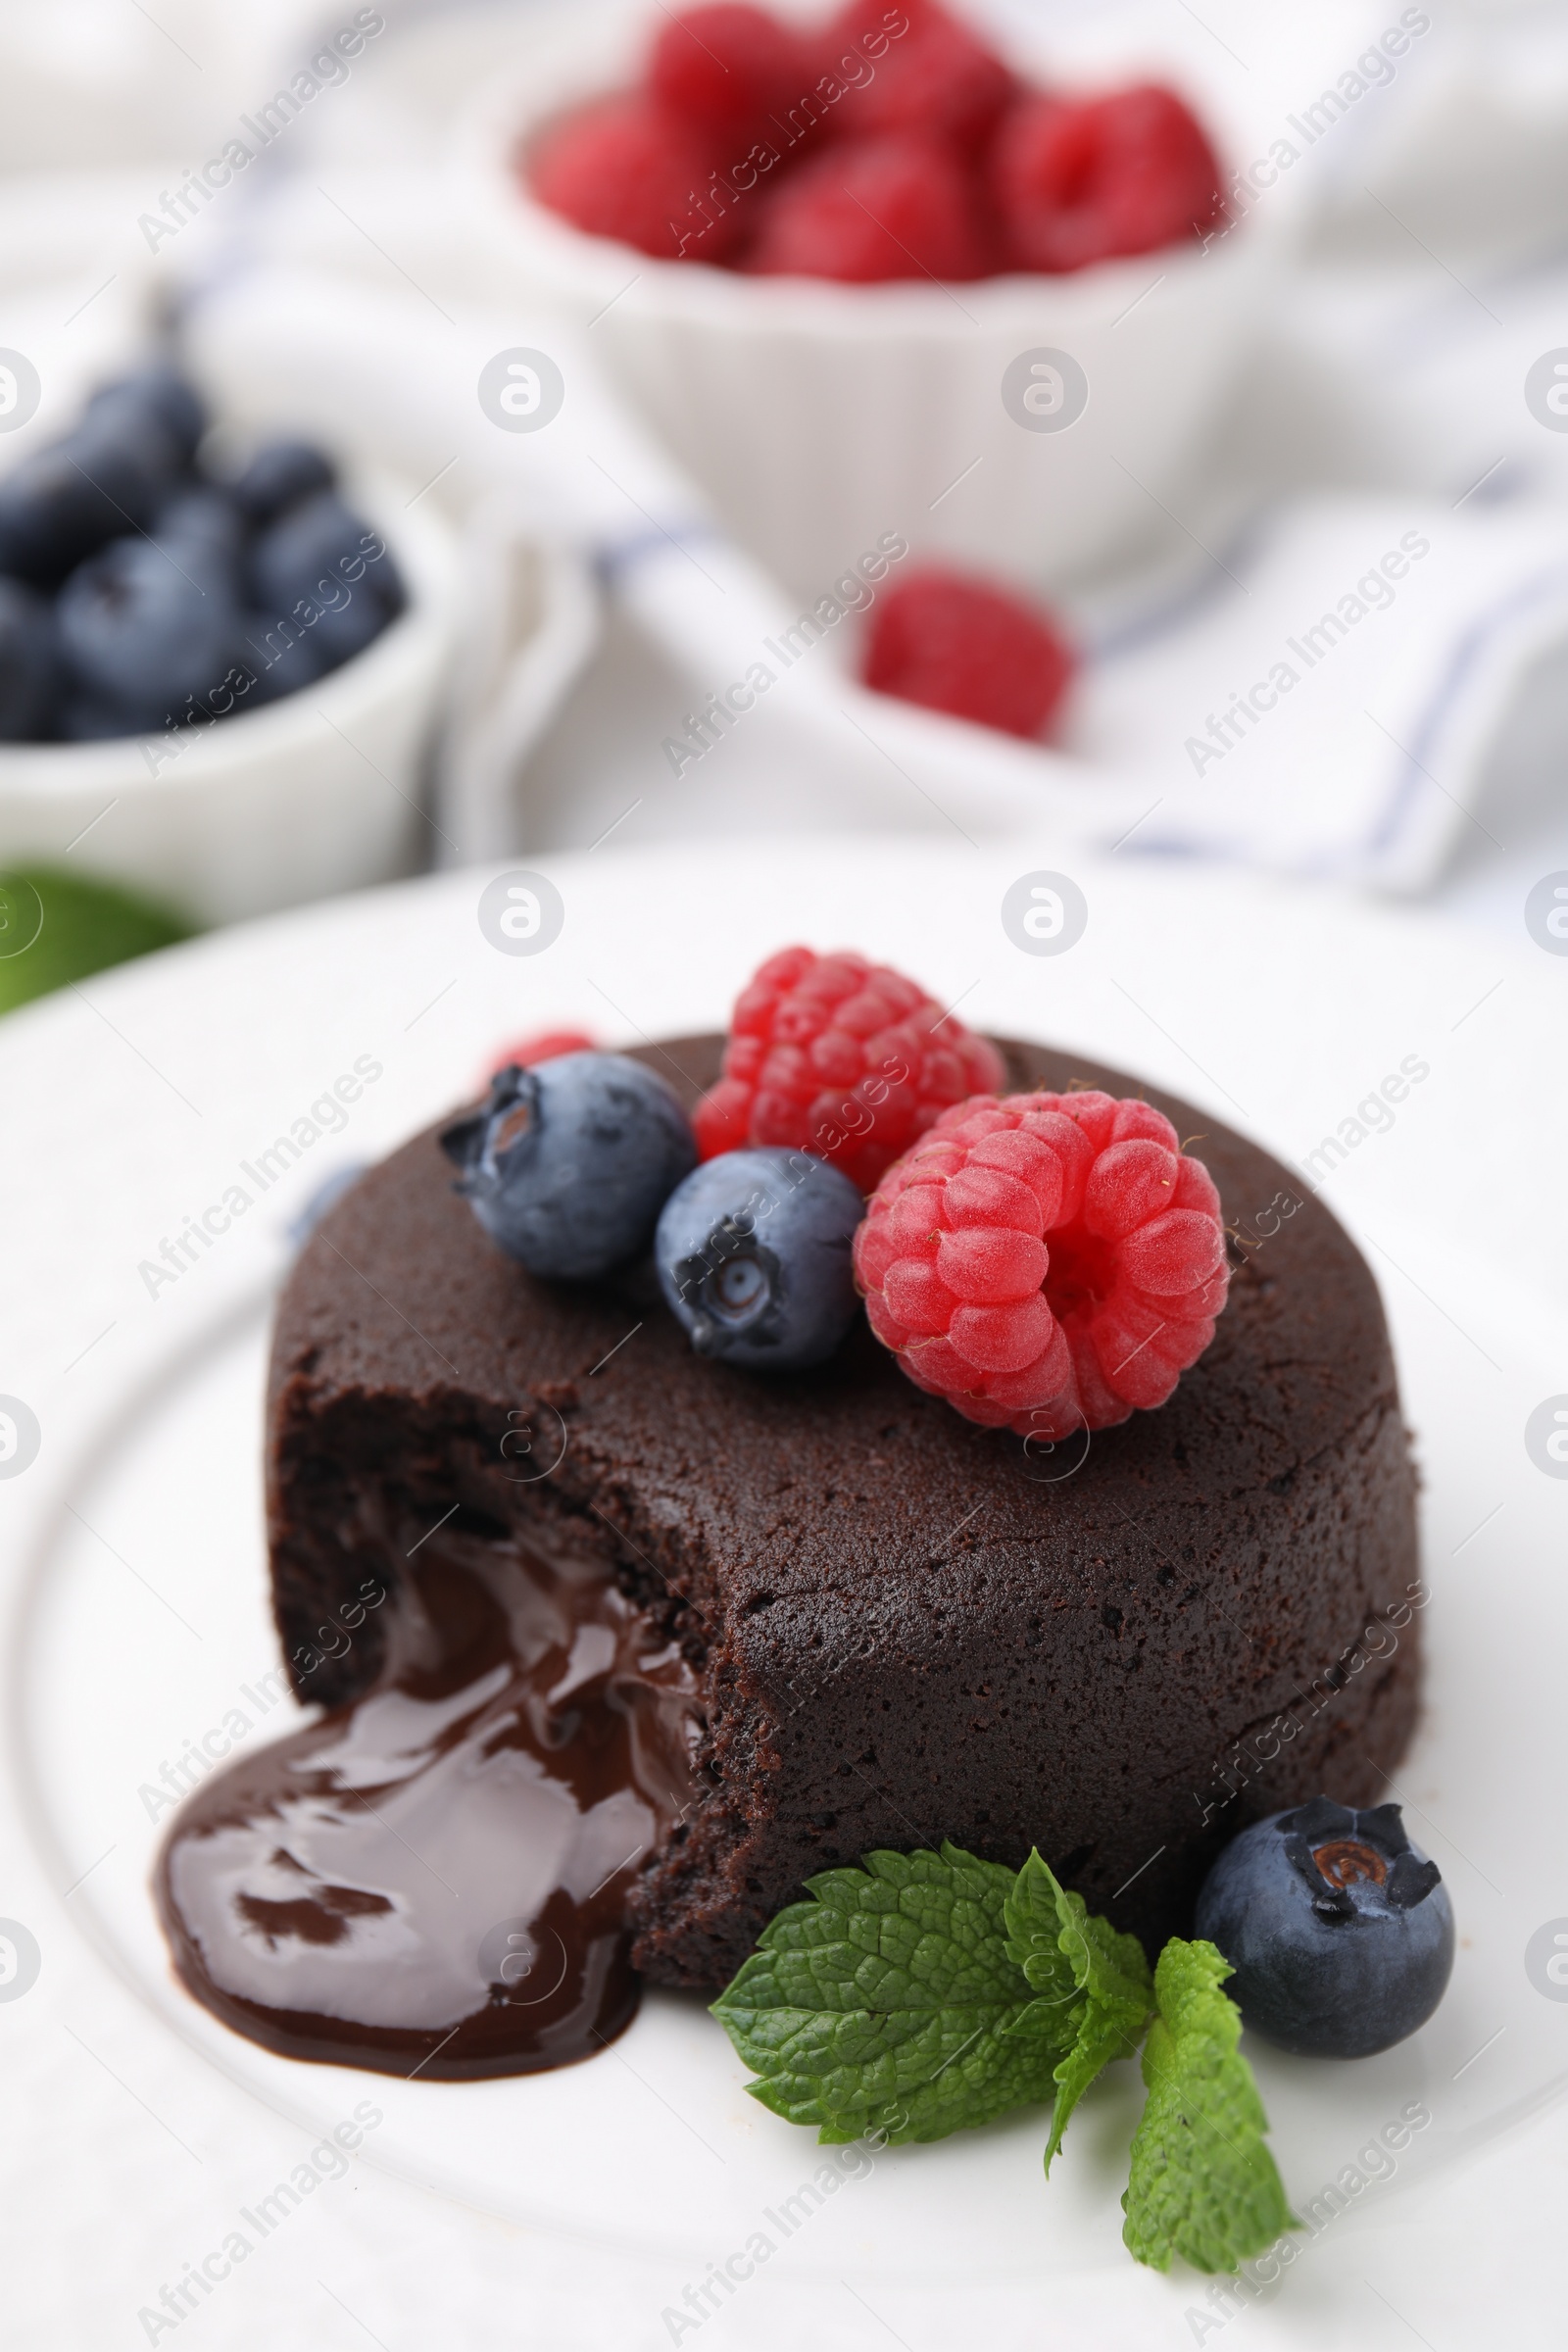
pixel 887 2002
pixel 1203 2186
pixel 1086 1972
pixel 58 927
pixel 1036 1918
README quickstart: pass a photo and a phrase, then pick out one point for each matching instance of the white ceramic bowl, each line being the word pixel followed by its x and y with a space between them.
pixel 312 795
pixel 819 417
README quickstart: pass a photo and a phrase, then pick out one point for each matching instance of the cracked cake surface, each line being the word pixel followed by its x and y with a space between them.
pixel 904 1627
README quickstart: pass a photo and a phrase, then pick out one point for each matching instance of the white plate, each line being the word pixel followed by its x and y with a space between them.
pixel 579 2207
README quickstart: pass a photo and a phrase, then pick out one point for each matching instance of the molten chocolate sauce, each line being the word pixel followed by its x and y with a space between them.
pixel 434 1878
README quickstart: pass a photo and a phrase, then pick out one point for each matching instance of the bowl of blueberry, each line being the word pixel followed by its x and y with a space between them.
pixel 218 672
pixel 881 267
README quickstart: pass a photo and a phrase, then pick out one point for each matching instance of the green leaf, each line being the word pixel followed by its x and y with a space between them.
pixel 56 928
pixel 1203 2186
pixel 1097 1980
pixel 886 2003
pixel 1036 1917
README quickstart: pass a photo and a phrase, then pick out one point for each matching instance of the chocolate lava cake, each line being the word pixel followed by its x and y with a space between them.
pixel 900 1627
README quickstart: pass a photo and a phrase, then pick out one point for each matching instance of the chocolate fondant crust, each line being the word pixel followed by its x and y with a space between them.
pixel 907 1628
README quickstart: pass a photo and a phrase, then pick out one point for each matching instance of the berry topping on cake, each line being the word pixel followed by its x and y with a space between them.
pixel 754 1257
pixel 1340 1931
pixel 901 206
pixel 726 68
pixel 567 1166
pixel 959 645
pixel 628 167
pixel 1108 176
pixel 841 1057
pixel 1047 1263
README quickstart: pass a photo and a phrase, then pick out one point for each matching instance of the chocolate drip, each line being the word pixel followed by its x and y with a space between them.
pixel 434 1879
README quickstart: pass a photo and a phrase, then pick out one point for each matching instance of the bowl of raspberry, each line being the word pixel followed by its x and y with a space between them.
pixel 875 271
pixel 220 661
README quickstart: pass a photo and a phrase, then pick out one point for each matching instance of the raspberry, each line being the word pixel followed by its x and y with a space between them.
pixel 1085 182
pixel 871 210
pixel 545 1044
pixel 838 1057
pixel 935 77
pixel 726 68
pixel 627 168
pixel 1047 1263
pixel 956 645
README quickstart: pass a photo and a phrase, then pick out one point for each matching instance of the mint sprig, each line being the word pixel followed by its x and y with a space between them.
pixel 926 1993
pixel 886 2003
pixel 1050 1931
pixel 1203 2186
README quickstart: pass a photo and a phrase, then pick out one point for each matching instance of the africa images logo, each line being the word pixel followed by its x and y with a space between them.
pixel 19 1437
pixel 521 914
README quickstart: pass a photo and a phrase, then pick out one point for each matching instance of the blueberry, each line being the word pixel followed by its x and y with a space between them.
pixel 321 556
pixel 345 630
pixel 1340 1931
pixel 568 1164
pixel 142 634
pixel 281 476
pixel 29 666
pixel 95 718
pixel 205 531
pixel 754 1257
pixel 156 396
pixel 282 657
pixel 318 597
pixel 65 502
